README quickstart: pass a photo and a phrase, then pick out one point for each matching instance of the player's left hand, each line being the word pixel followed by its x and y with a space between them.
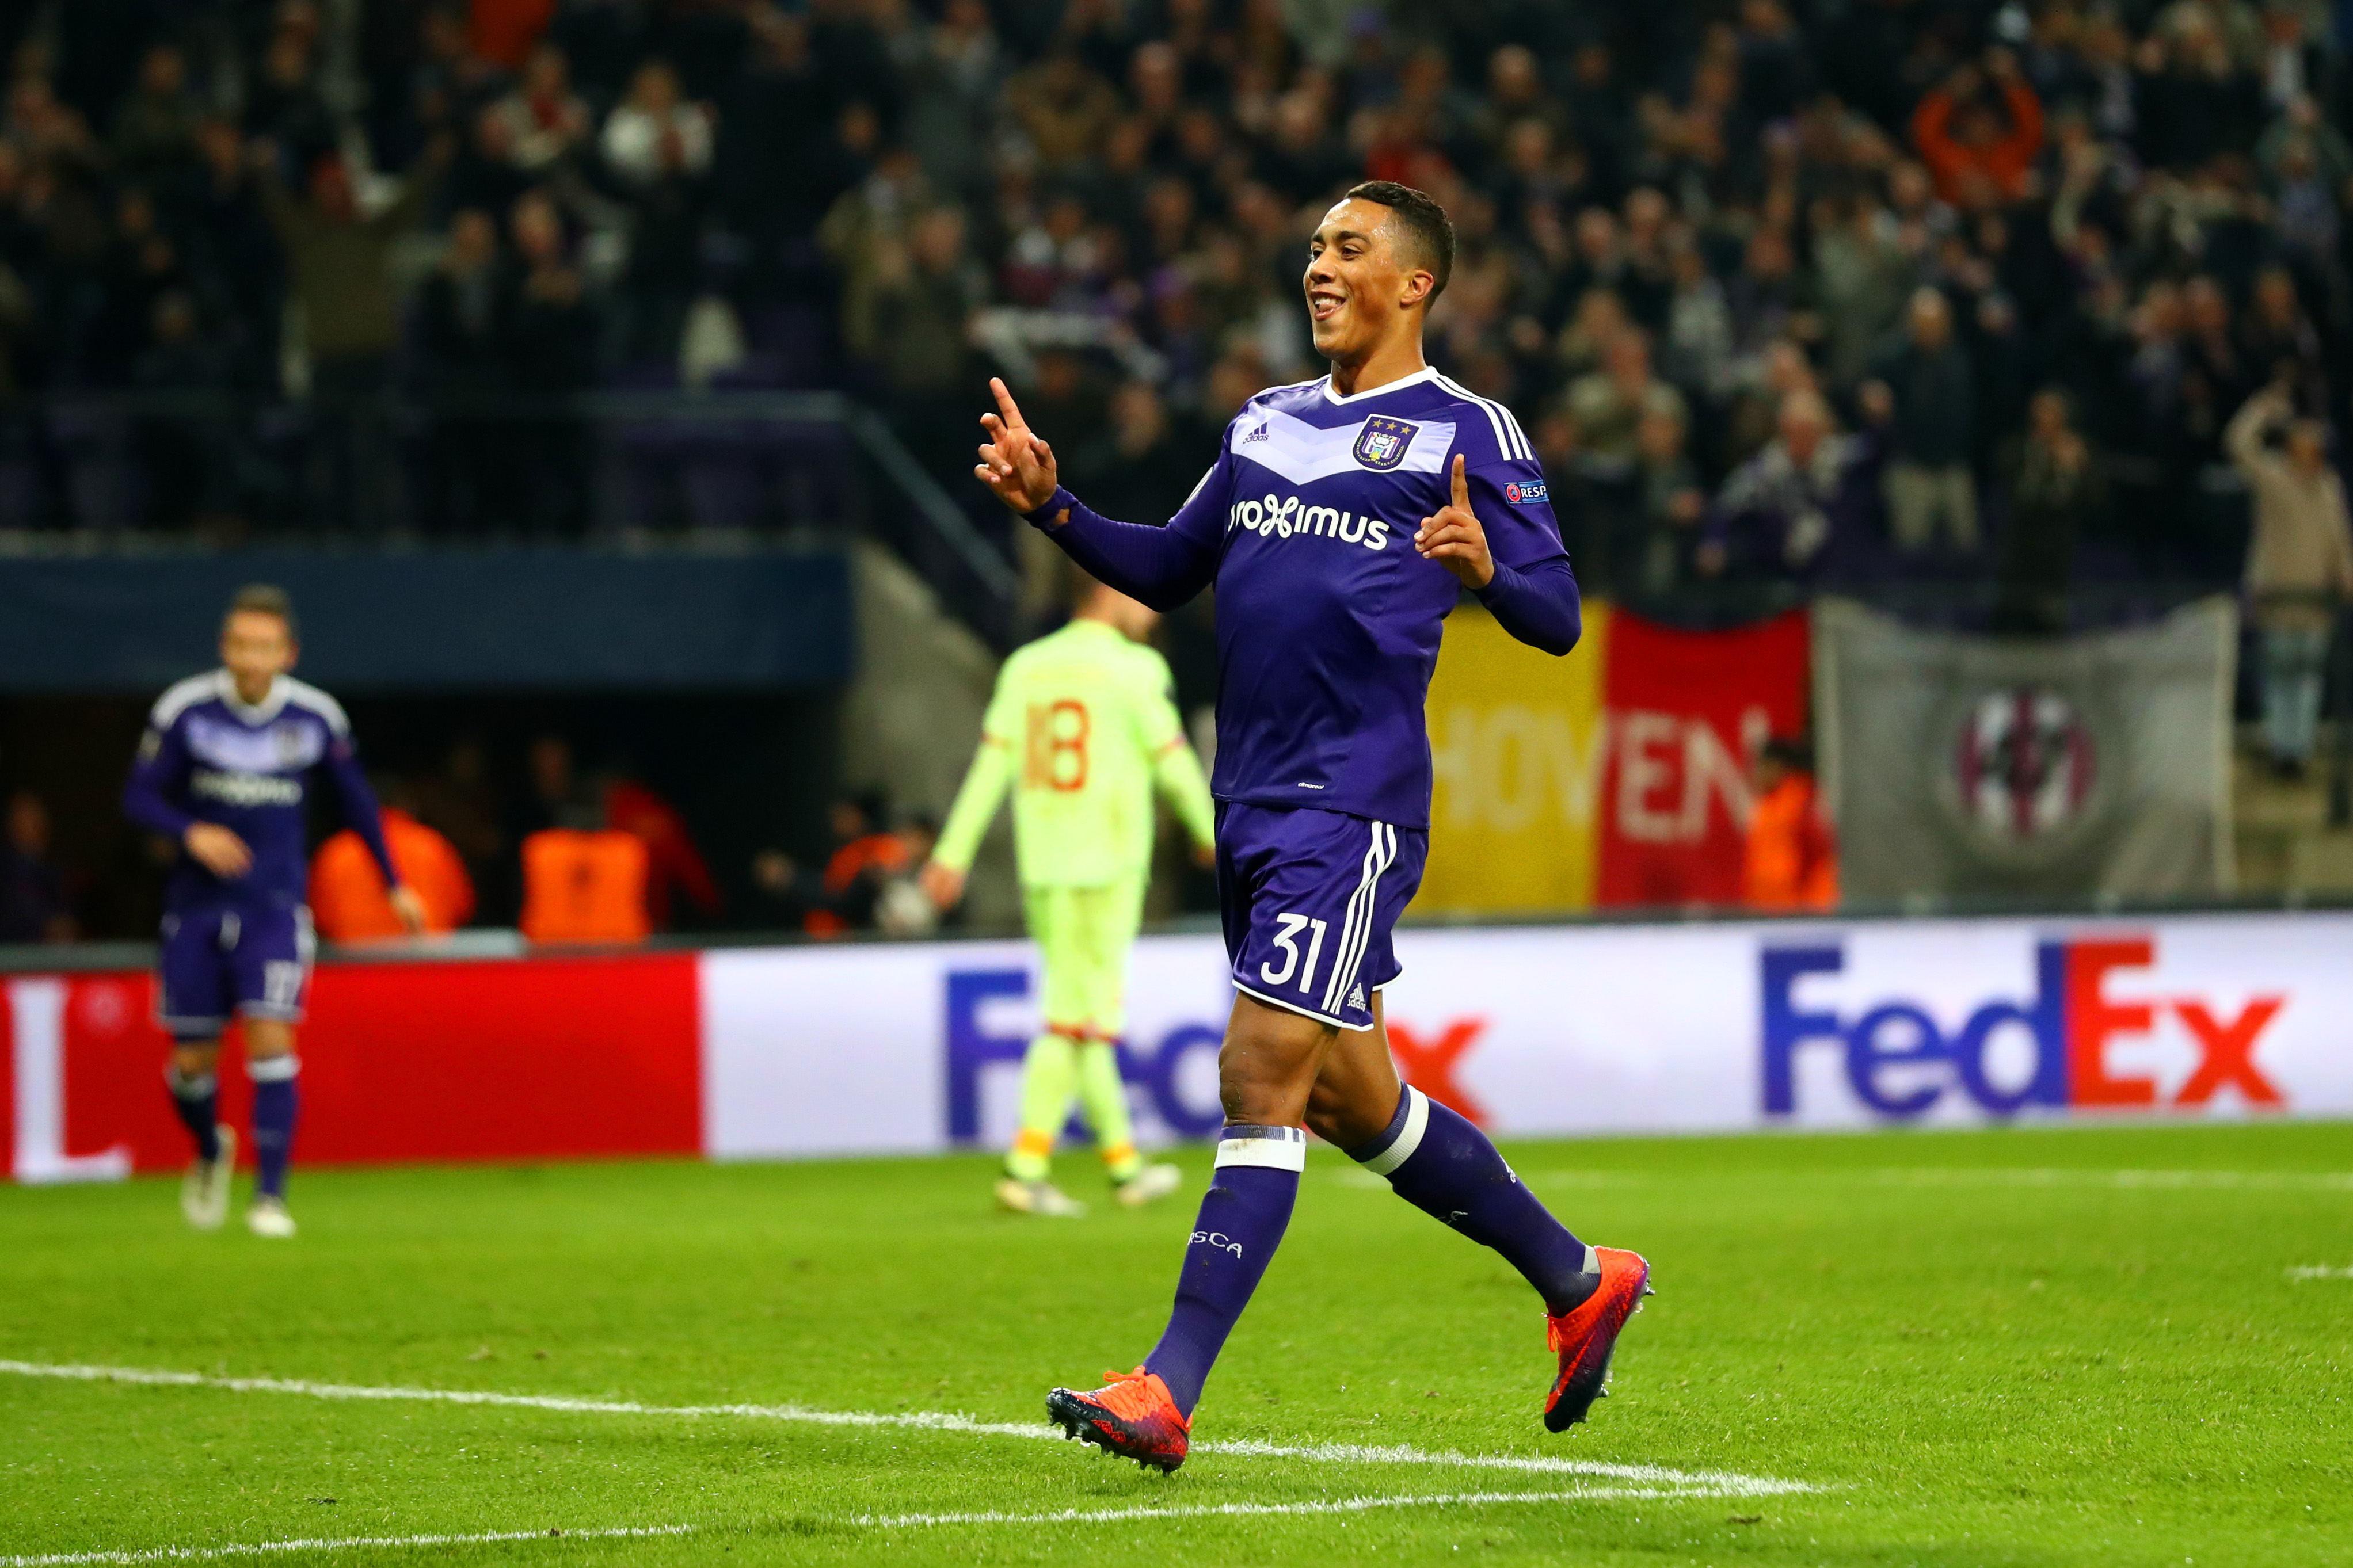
pixel 1453 537
pixel 410 908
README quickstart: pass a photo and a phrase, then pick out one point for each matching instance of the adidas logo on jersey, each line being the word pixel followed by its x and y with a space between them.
pixel 1357 997
pixel 1283 517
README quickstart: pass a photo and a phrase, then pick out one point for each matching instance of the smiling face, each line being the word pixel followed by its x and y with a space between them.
pixel 1363 281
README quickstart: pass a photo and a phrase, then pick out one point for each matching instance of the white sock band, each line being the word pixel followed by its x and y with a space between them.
pixel 1409 1138
pixel 274 1069
pixel 1282 1148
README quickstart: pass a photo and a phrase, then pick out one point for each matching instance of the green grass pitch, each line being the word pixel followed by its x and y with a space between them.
pixel 2022 1347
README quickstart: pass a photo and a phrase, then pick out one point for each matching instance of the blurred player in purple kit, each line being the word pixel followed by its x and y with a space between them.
pixel 225 771
pixel 1339 525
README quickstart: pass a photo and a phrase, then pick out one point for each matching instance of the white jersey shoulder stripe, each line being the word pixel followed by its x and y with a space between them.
pixel 185 695
pixel 302 694
pixel 1503 444
pixel 1509 441
pixel 1528 448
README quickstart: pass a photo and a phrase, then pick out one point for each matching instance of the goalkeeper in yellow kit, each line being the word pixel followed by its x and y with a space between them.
pixel 1083 725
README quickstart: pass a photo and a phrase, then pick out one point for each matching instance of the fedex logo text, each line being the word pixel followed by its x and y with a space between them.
pixel 1901 1061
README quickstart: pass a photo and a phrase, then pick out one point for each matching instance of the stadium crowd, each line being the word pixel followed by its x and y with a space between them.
pixel 2022 298
pixel 1783 293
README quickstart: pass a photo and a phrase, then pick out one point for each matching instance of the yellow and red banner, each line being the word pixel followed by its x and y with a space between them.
pixel 1616 777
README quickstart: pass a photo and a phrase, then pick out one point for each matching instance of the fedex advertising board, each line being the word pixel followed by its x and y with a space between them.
pixel 1546 1030
pixel 1531 1031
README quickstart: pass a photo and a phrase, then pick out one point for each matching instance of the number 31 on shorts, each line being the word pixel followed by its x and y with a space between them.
pixel 1286 936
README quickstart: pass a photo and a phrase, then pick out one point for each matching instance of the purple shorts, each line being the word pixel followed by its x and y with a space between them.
pixel 1309 899
pixel 219 962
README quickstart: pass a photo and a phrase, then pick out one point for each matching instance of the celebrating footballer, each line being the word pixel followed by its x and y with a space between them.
pixel 1339 525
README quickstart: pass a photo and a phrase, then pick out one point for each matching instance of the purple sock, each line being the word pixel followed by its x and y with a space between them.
pixel 1241 1223
pixel 274 1104
pixel 197 1100
pixel 1445 1167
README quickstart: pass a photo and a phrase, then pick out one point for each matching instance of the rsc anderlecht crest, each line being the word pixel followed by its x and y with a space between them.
pixel 1381 444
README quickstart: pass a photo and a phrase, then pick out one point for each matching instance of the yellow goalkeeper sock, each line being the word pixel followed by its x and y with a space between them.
pixel 1105 1098
pixel 1049 1076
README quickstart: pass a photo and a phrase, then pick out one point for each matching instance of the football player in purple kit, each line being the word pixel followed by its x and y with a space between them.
pixel 1340 523
pixel 225 771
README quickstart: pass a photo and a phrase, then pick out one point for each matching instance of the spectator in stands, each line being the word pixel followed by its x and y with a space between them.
pixel 865 857
pixel 1673 506
pixel 907 313
pixel 2279 343
pixel 1609 404
pixel 1978 149
pixel 1791 860
pixel 2057 495
pixel 348 901
pixel 547 334
pixel 1781 510
pixel 2299 563
pixel 1139 464
pixel 672 862
pixel 459 804
pixel 462 363
pixel 34 901
pixel 658 149
pixel 187 460
pixel 557 797
pixel 1930 487
pixel 1064 108
pixel 339 264
pixel 283 105
pixel 155 129
pixel 545 122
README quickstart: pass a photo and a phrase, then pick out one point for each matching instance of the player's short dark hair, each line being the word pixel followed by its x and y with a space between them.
pixel 1795 752
pixel 266 599
pixel 1418 213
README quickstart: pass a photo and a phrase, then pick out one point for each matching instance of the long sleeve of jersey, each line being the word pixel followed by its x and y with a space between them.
pixel 158 776
pixel 976 804
pixel 1537 604
pixel 1162 566
pixel 357 802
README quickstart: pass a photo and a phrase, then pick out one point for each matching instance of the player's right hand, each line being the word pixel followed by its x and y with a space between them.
pixel 944 885
pixel 218 850
pixel 1015 462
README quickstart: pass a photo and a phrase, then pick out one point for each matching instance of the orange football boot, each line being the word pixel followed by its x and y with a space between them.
pixel 1131 1416
pixel 1585 1334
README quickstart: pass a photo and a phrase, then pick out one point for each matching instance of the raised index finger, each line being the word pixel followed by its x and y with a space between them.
pixel 1004 404
pixel 1461 484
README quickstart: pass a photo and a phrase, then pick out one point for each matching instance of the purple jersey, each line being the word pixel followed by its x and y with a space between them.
pixel 207 756
pixel 1328 620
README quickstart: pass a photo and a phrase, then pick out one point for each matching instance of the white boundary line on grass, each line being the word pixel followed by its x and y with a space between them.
pixel 346 1543
pixel 1257 1510
pixel 871 1521
pixel 1722 1483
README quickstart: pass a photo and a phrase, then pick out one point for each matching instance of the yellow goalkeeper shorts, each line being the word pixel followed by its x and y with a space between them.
pixel 1084 935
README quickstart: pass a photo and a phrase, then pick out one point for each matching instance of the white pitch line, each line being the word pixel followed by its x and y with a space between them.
pixel 2321 1271
pixel 877 1521
pixel 1259 1509
pixel 1724 1482
pixel 341 1543
pixel 2065 1176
